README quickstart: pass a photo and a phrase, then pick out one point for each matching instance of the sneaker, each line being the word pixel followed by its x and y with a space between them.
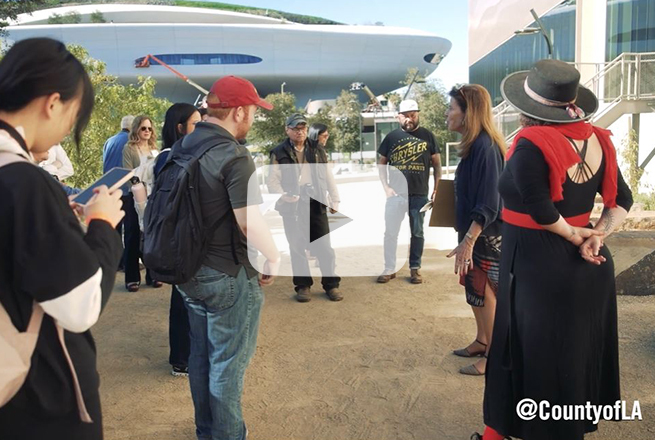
pixel 416 277
pixel 303 294
pixel 180 371
pixel 386 277
pixel 334 294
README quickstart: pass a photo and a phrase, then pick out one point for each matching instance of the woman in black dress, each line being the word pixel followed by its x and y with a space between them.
pixel 477 257
pixel 555 336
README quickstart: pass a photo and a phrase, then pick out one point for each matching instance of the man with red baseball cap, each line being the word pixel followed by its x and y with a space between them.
pixel 224 298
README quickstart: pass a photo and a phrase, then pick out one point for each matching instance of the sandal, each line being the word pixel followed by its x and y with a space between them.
pixel 132 287
pixel 472 370
pixel 464 352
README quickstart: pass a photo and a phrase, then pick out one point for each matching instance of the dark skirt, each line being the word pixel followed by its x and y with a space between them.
pixel 486 264
pixel 555 335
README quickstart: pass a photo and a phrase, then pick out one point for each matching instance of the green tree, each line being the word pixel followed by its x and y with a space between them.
pixel 112 101
pixel 347 119
pixel 324 116
pixel 433 101
pixel 630 154
pixel 268 130
pixel 97 17
pixel 393 98
pixel 9 10
pixel 72 17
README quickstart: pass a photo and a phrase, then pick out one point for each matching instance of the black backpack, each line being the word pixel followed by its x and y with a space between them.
pixel 175 237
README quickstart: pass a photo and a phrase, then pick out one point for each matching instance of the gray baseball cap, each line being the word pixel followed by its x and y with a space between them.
pixel 295 119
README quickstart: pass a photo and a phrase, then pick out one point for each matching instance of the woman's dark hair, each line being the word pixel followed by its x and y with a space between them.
pixel 315 130
pixel 527 121
pixel 458 96
pixel 38 67
pixel 202 111
pixel 176 114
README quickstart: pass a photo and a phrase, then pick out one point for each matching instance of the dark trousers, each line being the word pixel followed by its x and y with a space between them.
pixel 178 331
pixel 119 229
pixel 297 233
pixel 132 237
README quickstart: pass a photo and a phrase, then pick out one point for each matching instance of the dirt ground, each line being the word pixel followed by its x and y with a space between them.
pixel 377 366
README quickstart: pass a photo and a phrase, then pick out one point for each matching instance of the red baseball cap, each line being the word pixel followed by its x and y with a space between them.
pixel 233 91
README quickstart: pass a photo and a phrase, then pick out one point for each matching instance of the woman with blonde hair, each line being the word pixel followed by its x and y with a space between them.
pixel 141 147
pixel 478 223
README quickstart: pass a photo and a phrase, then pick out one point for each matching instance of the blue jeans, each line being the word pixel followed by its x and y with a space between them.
pixel 224 316
pixel 394 214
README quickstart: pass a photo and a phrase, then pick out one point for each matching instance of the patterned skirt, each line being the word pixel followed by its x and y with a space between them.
pixel 486 265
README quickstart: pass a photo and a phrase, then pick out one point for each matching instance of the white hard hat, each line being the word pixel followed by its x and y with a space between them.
pixel 408 105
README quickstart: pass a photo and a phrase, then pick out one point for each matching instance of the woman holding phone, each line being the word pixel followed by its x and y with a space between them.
pixel 47 261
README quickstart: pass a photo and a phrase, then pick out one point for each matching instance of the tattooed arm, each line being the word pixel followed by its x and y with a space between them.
pixel 610 219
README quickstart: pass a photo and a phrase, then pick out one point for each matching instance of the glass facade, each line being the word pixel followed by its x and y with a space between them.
pixel 521 51
pixel 382 129
pixel 195 59
pixel 630 27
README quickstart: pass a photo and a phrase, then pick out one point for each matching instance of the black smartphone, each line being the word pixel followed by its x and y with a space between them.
pixel 113 179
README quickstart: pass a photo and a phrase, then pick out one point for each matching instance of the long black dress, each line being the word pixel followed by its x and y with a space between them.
pixel 555 334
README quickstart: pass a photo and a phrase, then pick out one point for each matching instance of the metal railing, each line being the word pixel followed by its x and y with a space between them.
pixel 630 76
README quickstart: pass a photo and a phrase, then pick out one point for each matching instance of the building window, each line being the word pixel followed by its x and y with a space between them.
pixel 204 59
pixel 630 27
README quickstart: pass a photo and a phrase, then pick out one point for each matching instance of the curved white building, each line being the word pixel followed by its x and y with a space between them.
pixel 314 62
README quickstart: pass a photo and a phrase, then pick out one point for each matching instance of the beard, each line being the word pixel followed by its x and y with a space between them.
pixel 243 127
pixel 409 125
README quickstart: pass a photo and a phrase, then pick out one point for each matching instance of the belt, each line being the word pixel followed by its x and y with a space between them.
pixel 526 221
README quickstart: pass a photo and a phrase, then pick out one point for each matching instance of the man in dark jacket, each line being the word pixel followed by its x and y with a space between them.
pixel 112 157
pixel 302 187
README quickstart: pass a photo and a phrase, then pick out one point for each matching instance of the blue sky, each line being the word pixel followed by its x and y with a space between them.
pixel 445 18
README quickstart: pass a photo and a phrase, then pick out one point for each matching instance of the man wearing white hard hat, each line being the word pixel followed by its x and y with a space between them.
pixel 412 150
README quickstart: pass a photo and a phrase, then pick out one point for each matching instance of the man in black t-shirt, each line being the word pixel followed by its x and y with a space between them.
pixel 411 151
pixel 224 298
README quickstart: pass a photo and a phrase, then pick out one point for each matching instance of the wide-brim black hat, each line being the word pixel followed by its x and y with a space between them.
pixel 550 92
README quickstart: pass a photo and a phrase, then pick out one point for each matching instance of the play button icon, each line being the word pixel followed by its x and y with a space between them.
pixel 335 221
pixel 312 240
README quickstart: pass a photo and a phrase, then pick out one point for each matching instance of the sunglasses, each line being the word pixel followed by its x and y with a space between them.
pixel 145 128
pixel 461 91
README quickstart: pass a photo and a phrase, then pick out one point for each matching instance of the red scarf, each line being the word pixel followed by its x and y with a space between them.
pixel 551 140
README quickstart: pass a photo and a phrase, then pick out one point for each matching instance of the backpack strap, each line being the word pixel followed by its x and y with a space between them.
pixel 81 407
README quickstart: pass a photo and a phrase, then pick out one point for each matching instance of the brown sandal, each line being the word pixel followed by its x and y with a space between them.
pixel 464 352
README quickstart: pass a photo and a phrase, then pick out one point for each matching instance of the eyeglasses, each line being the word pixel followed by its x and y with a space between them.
pixel 145 128
pixel 461 92
pixel 298 129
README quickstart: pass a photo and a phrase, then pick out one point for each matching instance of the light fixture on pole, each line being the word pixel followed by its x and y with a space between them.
pixel 541 29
